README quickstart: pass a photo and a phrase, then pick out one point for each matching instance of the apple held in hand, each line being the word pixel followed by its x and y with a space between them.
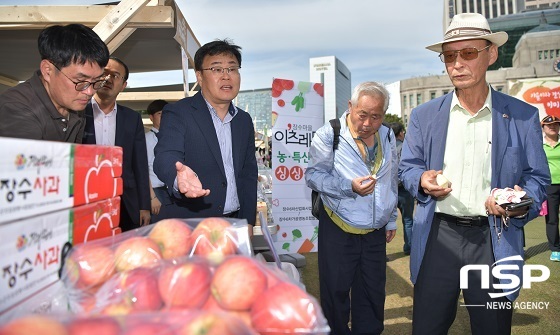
pixel 214 237
pixel 238 282
pixel 185 285
pixel 286 309
pixel 173 237
pixel 442 181
pixel 136 252
pixel 88 265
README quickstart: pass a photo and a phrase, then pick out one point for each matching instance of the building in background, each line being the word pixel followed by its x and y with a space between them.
pixel 489 8
pixel 258 104
pixel 337 81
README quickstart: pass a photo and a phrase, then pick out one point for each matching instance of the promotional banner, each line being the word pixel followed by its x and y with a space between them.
pixel 297 112
pixel 543 93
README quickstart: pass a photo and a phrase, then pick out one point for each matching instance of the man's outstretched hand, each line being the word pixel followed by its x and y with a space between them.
pixel 188 182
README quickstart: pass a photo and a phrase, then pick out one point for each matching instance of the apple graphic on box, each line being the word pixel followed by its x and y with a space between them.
pixel 88 265
pixel 137 289
pixel 214 237
pixel 94 326
pixel 185 285
pixel 102 226
pixel 173 237
pixel 97 179
pixel 137 251
pixel 285 309
pixel 238 282
pixel 33 325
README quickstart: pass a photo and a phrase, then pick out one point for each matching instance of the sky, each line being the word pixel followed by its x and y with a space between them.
pixel 377 40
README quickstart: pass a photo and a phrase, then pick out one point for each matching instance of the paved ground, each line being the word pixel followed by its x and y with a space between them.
pixel 398 306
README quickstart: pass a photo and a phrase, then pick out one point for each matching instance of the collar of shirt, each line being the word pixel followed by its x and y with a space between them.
pixel 487 107
pixel 232 110
pixel 154 130
pixel 97 109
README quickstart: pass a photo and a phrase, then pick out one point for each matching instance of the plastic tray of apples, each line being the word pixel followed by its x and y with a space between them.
pixel 88 265
pixel 169 323
pixel 261 295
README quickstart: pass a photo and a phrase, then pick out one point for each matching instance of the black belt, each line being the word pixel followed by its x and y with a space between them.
pixel 231 214
pixel 468 221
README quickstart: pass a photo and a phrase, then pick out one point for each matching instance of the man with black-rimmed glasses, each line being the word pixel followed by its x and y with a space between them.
pixel 49 105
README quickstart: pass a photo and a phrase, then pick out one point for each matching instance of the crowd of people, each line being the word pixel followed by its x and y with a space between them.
pixel 199 160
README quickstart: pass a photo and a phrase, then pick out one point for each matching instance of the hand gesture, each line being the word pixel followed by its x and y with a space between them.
pixel 188 182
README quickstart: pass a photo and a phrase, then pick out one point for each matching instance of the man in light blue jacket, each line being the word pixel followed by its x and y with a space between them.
pixel 358 185
pixel 479 139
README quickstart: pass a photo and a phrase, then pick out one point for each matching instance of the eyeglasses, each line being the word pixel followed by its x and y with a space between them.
pixel 466 54
pixel 220 70
pixel 84 84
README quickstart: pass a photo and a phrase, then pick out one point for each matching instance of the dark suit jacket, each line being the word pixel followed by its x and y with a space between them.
pixel 187 135
pixel 130 136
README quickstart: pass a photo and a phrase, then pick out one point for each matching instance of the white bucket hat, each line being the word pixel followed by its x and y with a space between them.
pixel 469 26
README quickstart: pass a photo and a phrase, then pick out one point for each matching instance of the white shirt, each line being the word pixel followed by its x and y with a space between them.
pixel 151 141
pixel 467 159
pixel 105 124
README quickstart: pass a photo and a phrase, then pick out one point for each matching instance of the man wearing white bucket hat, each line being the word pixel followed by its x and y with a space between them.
pixel 479 139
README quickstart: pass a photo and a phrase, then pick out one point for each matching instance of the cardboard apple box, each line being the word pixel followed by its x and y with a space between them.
pixel 30 256
pixel 94 221
pixel 31 249
pixel 38 177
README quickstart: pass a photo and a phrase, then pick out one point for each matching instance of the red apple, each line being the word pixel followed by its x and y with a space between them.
pixel 33 325
pixel 214 237
pixel 185 285
pixel 141 327
pixel 238 282
pixel 137 251
pixel 137 289
pixel 286 309
pixel 173 237
pixel 88 265
pixel 209 323
pixel 94 326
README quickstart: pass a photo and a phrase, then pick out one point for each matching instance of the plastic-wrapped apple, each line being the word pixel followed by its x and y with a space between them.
pixel 442 181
